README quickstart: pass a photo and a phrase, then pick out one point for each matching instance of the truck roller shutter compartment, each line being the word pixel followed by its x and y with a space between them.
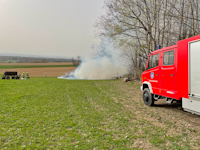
pixel 194 68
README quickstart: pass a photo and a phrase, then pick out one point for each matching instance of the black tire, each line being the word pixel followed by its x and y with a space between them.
pixel 147 97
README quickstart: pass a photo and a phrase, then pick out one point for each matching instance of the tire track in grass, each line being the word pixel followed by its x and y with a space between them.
pixel 90 118
pixel 100 136
pixel 126 121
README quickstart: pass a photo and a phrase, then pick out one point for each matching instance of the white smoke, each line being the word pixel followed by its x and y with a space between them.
pixel 101 68
pixel 106 64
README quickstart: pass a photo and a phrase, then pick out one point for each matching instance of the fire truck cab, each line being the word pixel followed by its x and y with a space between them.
pixel 174 73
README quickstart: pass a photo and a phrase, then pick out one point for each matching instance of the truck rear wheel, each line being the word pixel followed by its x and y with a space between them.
pixel 147 97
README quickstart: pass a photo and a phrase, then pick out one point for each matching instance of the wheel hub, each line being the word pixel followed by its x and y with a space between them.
pixel 146 96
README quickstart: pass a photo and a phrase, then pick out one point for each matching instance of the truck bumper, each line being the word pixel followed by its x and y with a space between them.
pixel 141 88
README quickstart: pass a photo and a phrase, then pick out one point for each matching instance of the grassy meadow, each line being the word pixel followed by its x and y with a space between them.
pixel 54 113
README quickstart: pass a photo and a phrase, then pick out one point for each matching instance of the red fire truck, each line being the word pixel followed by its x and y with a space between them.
pixel 174 73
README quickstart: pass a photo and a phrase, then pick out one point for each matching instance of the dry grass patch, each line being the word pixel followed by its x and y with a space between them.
pixel 181 128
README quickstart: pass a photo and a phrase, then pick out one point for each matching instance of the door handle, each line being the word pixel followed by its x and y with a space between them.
pixel 171 74
pixel 157 74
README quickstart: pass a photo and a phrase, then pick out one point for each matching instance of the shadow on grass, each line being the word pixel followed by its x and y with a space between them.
pixel 162 103
pixel 173 105
pixel 177 106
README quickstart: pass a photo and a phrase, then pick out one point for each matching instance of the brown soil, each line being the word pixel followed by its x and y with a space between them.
pixel 37 64
pixel 40 72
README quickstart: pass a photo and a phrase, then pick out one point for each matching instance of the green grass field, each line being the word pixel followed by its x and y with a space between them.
pixel 53 113
pixel 31 66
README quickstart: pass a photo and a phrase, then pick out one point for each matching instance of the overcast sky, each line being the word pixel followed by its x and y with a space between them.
pixel 48 27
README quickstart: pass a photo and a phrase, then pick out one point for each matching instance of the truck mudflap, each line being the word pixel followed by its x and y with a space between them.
pixel 191 105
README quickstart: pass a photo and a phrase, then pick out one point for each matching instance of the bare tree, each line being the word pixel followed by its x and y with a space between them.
pixel 138 26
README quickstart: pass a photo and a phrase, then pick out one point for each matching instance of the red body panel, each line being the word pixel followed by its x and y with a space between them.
pixel 173 80
pixel 183 66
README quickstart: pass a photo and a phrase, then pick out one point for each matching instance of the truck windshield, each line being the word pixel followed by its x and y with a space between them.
pixel 149 63
pixel 153 61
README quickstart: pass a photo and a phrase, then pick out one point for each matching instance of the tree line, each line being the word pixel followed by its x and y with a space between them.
pixel 137 27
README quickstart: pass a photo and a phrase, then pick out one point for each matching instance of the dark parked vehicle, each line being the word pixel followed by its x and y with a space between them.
pixel 10 74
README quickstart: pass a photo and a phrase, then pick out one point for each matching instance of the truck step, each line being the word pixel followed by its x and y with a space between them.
pixel 169 101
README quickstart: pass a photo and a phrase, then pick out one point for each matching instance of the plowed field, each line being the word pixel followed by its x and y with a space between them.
pixel 36 64
pixel 40 72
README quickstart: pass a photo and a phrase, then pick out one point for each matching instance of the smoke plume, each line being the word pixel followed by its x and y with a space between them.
pixel 105 64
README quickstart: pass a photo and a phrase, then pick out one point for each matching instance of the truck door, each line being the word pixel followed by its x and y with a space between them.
pixel 153 73
pixel 168 73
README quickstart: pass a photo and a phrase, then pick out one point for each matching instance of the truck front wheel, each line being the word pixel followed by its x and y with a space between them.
pixel 147 97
